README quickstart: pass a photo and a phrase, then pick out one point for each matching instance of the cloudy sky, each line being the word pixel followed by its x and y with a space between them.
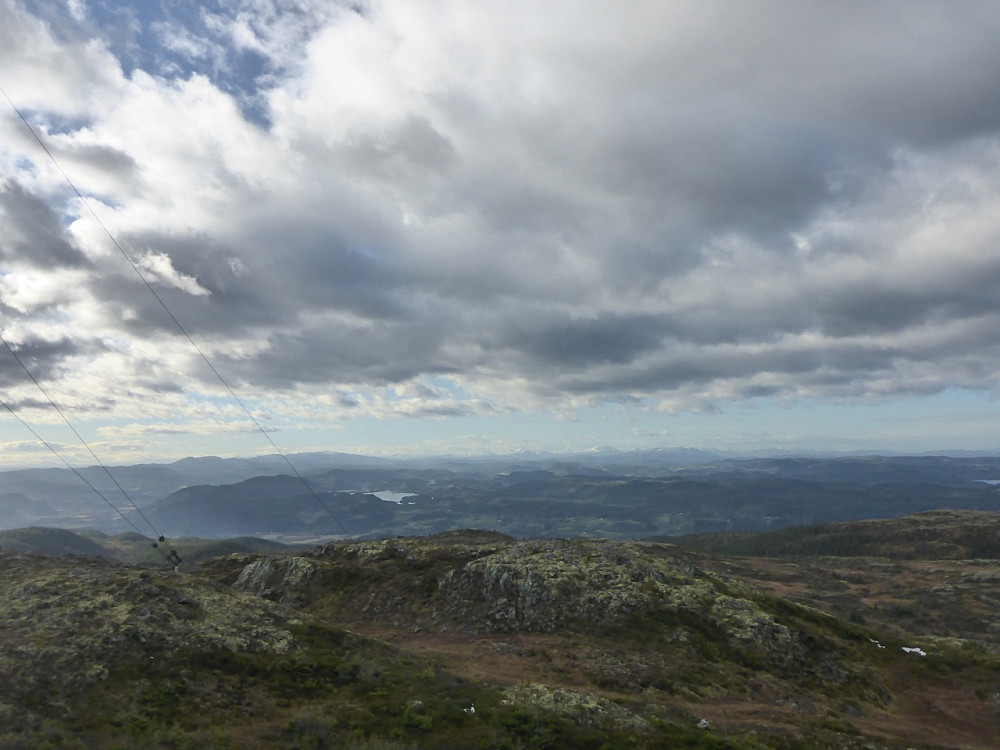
pixel 430 226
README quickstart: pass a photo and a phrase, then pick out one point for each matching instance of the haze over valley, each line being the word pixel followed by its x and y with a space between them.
pixel 612 495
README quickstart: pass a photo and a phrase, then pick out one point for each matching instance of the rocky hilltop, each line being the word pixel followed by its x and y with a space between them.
pixel 474 639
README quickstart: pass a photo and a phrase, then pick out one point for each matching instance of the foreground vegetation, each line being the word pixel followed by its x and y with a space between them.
pixel 474 639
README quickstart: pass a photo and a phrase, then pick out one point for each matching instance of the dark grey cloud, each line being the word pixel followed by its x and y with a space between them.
pixel 792 367
pixel 27 403
pixel 111 163
pixel 874 308
pixel 375 353
pixel 43 359
pixel 575 343
pixel 32 232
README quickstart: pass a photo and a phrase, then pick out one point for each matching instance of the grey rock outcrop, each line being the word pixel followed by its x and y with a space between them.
pixel 282 580
pixel 546 585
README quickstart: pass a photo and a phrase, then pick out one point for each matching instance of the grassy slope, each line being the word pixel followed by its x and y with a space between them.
pixel 98 654
pixel 932 535
pixel 556 643
pixel 829 683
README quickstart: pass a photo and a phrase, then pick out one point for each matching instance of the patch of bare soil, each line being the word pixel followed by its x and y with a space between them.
pixel 943 598
pixel 943 715
pixel 506 658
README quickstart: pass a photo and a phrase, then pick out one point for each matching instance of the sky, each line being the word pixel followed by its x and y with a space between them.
pixel 473 226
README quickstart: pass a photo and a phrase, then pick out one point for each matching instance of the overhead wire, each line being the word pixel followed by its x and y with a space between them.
pixel 138 272
pixel 79 437
pixel 172 556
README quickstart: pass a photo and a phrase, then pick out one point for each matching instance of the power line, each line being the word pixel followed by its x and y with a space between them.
pixel 172 556
pixel 174 319
pixel 79 437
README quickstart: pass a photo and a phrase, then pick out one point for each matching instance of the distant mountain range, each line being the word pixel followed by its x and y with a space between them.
pixel 608 494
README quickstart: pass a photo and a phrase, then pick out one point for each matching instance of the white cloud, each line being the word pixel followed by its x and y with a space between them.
pixel 58 79
pixel 33 292
pixel 77 9
pixel 158 268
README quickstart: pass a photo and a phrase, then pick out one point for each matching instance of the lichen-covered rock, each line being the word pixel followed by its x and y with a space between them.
pixel 658 615
pixel 68 622
pixel 749 627
pixel 544 585
pixel 547 585
pixel 282 580
pixel 393 581
pixel 583 708
pixel 417 551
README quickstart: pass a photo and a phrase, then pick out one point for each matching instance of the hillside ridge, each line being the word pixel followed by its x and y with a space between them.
pixel 555 643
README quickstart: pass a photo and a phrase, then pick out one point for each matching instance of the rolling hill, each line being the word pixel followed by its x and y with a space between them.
pixel 474 638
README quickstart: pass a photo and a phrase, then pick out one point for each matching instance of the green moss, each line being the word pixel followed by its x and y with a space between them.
pixel 98 655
